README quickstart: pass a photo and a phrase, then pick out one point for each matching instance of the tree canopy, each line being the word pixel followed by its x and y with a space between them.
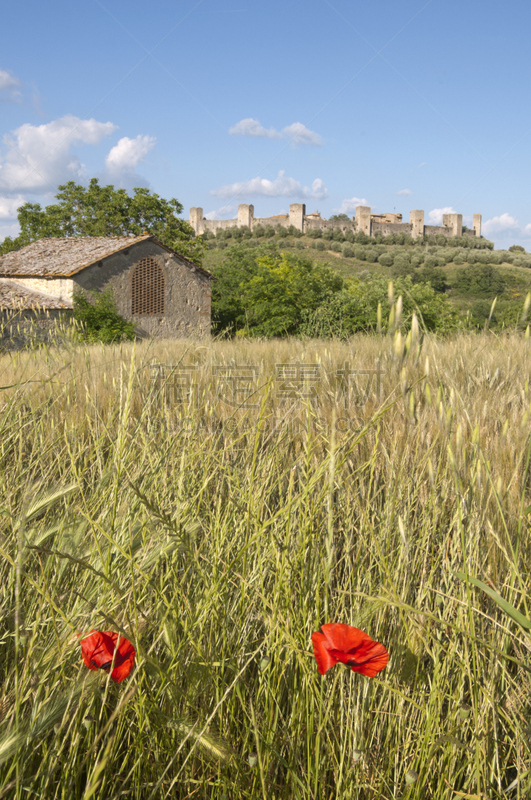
pixel 105 211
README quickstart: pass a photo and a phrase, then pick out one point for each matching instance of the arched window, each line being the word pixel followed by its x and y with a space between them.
pixel 148 288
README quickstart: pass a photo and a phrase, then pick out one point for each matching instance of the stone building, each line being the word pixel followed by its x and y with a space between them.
pixel 161 291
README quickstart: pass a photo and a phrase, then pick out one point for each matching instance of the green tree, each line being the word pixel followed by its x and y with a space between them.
pixel 355 309
pixel 340 218
pixel 262 292
pixel 105 211
pixel 482 280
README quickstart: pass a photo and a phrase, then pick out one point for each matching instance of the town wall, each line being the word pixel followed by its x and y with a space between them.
pixel 362 221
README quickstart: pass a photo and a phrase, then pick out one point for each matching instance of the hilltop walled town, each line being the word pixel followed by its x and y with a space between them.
pixel 363 221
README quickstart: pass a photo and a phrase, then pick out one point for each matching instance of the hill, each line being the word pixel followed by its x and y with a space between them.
pixel 470 273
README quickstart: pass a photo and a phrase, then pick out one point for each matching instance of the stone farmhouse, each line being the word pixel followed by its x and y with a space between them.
pixel 364 221
pixel 153 286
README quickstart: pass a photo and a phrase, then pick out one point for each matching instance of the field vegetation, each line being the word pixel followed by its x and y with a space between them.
pixel 465 272
pixel 217 518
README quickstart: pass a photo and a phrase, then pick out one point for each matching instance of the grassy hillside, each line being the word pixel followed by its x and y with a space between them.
pixel 468 271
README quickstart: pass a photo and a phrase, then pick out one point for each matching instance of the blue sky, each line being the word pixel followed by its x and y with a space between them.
pixel 218 102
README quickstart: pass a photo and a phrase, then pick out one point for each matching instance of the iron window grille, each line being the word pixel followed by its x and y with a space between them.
pixel 148 288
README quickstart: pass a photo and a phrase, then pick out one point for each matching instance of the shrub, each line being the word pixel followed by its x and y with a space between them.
pixel 362 238
pixel 335 247
pixel 282 232
pixel 258 231
pixel 300 245
pixel 360 253
pixel 371 255
pixel 293 231
pixel 386 260
pixel 459 259
pixel 269 231
pixel 348 251
pixel 328 235
pixel 480 279
pixel 516 248
pixel 320 245
pixel 314 233
pixel 401 259
pixel 434 276
pixel 100 319
pixel 227 233
pixel 338 235
pixel 350 237
pixel 430 262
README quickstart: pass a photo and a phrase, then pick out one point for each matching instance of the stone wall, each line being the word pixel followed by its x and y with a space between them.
pixel 58 287
pixel 387 228
pixel 363 221
pixel 28 328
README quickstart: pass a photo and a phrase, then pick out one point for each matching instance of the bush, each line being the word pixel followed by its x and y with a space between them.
pixel 360 253
pixel 371 255
pixel 100 319
pixel 435 277
pixel 314 233
pixel 386 260
pixel 480 279
pixel 348 251
pixel 328 235
pixel 459 259
pixel 258 231
pixel 282 232
pixel 293 231
pixel 320 245
pixel 269 231
pixel 335 247
pixel 516 248
pixel 338 235
pixel 430 262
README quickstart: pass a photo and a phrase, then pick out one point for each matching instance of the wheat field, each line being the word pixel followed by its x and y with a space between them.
pixel 215 503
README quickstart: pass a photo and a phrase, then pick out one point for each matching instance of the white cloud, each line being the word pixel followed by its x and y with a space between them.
pixel 404 192
pixel 251 127
pixel 300 134
pixel 9 230
pixel 296 132
pixel 435 217
pixel 9 86
pixel 349 206
pixel 128 153
pixel 38 157
pixel 282 186
pixel 499 224
pixel 9 206
pixel 222 212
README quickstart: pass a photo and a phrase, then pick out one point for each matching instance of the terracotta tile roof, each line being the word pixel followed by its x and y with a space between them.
pixel 14 295
pixel 61 258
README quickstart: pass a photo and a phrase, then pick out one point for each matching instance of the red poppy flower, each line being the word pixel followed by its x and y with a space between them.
pixel 350 646
pixel 99 650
